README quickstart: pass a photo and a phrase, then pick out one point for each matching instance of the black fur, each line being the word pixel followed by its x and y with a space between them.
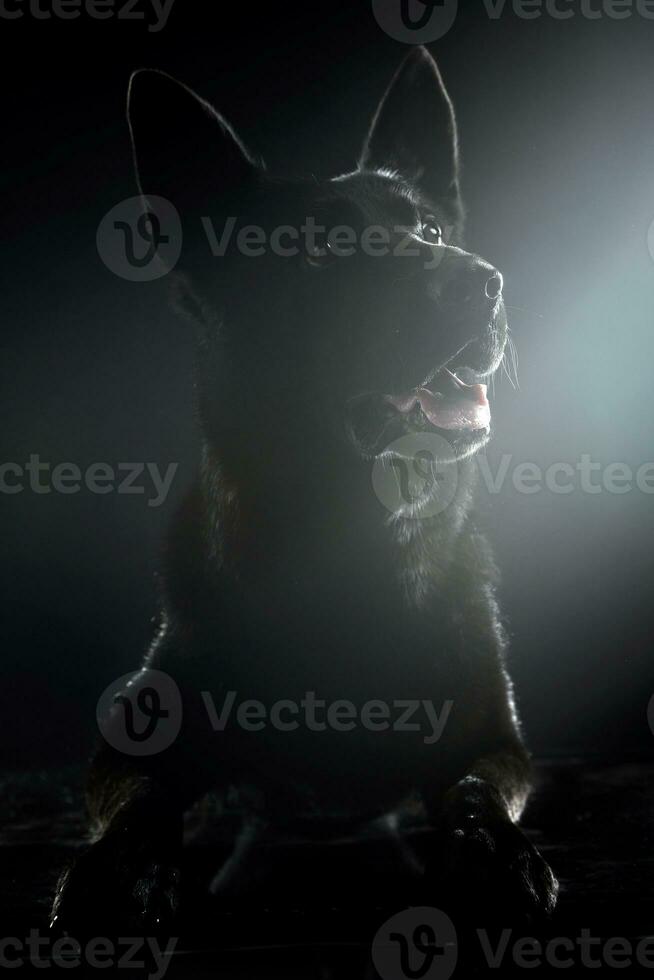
pixel 284 573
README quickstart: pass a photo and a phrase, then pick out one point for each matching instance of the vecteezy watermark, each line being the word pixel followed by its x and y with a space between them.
pixel 318 242
pixel 156 12
pixel 415 21
pixel 650 714
pixel 424 21
pixel 41 952
pixel 142 242
pixel 585 475
pixel 141 714
pixel 318 715
pixel 416 944
pixel 415 476
pixel 44 478
pixel 563 952
pixel 421 944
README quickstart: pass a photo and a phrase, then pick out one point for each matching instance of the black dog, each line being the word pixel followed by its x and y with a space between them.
pixel 285 573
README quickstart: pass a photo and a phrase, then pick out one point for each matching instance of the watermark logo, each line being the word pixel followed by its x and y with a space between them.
pixel 416 944
pixel 141 714
pixel 319 715
pixel 43 478
pixel 415 21
pixel 421 944
pixel 145 954
pixel 140 245
pixel 424 21
pixel 415 475
pixel 650 714
pixel 156 12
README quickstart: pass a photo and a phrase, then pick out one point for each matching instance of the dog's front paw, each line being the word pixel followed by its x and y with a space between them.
pixel 495 872
pixel 118 884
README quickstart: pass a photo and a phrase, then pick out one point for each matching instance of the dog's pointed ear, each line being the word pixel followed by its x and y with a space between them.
pixel 183 149
pixel 414 130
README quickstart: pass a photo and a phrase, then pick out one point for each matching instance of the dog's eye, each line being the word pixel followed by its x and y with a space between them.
pixel 431 231
pixel 319 252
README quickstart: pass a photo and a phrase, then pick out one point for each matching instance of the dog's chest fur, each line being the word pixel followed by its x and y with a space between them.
pixel 348 630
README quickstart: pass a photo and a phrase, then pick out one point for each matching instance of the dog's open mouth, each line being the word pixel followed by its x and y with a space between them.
pixel 447 403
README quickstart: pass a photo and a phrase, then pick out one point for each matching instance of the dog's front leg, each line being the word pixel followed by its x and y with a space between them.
pixel 484 862
pixel 128 878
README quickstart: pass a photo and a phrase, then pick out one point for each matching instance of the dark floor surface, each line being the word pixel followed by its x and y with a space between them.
pixel 317 909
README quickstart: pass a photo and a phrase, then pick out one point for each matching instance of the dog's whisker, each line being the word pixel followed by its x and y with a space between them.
pixel 506 371
pixel 520 309
pixel 514 358
pixel 515 362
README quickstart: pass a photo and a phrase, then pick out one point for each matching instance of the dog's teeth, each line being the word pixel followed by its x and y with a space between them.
pixel 447 379
pixel 465 375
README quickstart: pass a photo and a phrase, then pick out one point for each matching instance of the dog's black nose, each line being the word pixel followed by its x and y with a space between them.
pixel 474 284
pixel 494 286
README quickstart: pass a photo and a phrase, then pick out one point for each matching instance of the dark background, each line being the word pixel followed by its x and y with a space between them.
pixel 557 136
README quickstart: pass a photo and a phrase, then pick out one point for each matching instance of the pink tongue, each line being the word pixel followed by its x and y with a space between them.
pixel 471 411
pixel 467 410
